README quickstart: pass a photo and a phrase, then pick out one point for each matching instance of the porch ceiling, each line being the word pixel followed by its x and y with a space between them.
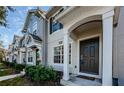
pixel 87 26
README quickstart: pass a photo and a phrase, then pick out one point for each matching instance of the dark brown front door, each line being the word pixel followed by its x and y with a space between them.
pixel 89 56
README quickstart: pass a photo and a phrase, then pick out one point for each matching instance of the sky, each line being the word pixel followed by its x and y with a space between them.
pixel 15 21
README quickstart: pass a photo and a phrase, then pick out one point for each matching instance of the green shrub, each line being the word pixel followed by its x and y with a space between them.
pixel 6 63
pixel 51 74
pixel 41 73
pixel 12 64
pixel 19 67
pixel 30 70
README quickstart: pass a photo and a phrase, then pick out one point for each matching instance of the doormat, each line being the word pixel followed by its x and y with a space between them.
pixel 85 77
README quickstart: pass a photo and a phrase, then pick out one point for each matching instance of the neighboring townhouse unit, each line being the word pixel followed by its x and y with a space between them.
pixel 13 54
pixel 22 51
pixel 87 41
pixel 31 48
pixel 15 49
pixel 35 37
pixel 9 53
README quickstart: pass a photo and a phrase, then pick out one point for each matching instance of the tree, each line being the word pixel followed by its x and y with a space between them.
pixel 1 44
pixel 3 14
pixel 2 52
pixel 3 22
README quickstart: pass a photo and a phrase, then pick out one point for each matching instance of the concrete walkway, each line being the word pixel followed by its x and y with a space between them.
pixel 75 81
pixel 11 76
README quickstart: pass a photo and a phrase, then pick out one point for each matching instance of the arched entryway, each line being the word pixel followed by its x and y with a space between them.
pixel 91 36
pixel 87 46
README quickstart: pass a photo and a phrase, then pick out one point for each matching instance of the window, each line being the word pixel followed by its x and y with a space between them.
pixel 30 58
pixel 34 26
pixel 59 54
pixel 54 25
pixel 24 60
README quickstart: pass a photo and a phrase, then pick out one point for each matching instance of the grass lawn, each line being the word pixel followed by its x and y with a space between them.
pixel 18 81
pixel 2 66
pixel 6 70
pixel 24 81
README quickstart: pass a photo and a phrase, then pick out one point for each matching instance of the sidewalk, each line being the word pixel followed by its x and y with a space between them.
pixel 11 76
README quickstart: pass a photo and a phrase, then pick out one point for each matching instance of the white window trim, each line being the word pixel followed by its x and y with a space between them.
pixel 61 64
pixel 53 54
pixel 30 56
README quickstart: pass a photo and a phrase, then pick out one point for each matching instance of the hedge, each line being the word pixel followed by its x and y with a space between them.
pixel 41 73
pixel 18 67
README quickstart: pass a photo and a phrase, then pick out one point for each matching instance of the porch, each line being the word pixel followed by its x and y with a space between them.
pixel 98 66
pixel 80 81
pixel 33 50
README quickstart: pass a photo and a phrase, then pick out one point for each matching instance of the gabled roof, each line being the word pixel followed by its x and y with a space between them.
pixel 23 37
pixel 37 12
pixel 35 37
pixel 16 37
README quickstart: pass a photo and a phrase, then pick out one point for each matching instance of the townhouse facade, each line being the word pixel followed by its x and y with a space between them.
pixel 87 43
pixel 83 42
pixel 29 48
pixel 35 37
pixel 13 50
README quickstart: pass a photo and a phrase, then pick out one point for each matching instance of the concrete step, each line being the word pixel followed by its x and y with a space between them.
pixel 80 82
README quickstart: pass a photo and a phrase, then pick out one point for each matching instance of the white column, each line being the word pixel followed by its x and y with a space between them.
pixel 107 48
pixel 34 57
pixel 66 57
pixel 26 56
pixel 40 55
pixel 20 61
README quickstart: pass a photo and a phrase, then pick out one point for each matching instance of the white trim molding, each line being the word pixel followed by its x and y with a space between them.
pixel 66 57
pixel 107 48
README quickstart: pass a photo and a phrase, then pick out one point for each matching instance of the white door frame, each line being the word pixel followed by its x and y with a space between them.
pixel 100 56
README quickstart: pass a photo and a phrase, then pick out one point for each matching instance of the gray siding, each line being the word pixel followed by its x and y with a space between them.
pixel 118 53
